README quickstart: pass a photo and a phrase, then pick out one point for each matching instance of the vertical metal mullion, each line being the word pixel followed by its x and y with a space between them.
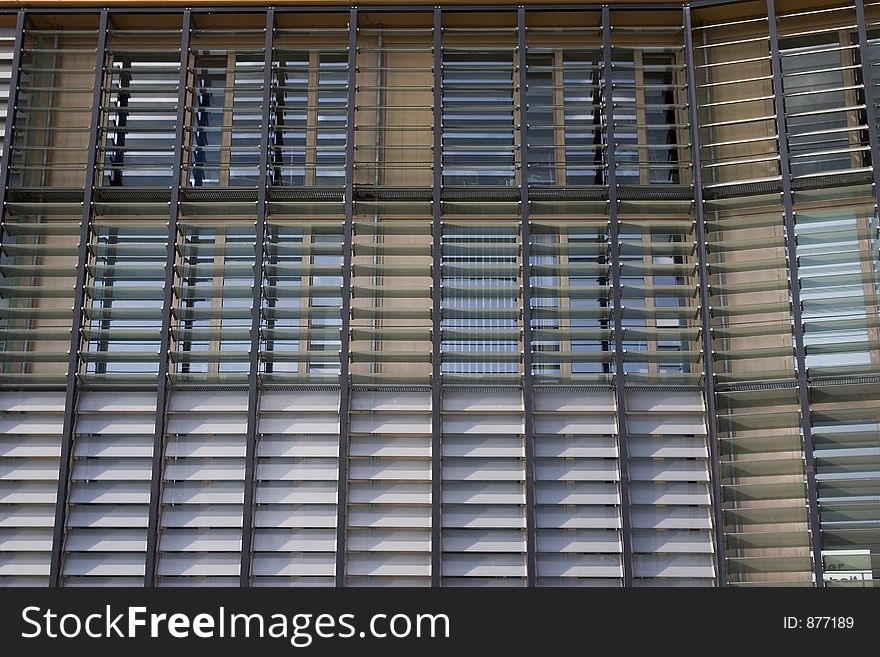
pixel 167 303
pixel 70 396
pixel 345 348
pixel 256 315
pixel 870 110
pixel 436 312
pixel 794 286
pixel 616 309
pixel 12 110
pixel 525 233
pixel 706 326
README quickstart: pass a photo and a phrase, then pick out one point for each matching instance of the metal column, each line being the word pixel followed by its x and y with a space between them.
pixel 256 306
pixel 436 314
pixel 12 110
pixel 344 383
pixel 706 325
pixel 525 233
pixel 70 397
pixel 167 303
pixel 794 286
pixel 617 310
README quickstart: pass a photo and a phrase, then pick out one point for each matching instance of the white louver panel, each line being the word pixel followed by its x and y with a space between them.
pixel 7 45
pixel 294 540
pixel 108 502
pixel 30 447
pixel 669 489
pixel 577 475
pixel 202 489
pixel 483 536
pixel 389 489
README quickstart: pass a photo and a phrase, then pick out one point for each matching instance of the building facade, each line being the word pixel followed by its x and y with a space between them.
pixel 330 295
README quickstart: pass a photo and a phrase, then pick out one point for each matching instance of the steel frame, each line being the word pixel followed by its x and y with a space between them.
pixel 68 431
pixel 800 353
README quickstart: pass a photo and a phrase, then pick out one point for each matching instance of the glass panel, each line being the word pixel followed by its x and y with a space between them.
pixel 391 295
pixel 571 313
pixel 837 250
pixel 55 103
pixel 735 95
pixel 658 290
pixel 564 105
pixel 650 108
pixel 224 109
pixel 308 121
pixel 124 293
pixel 481 301
pixel 395 103
pixel 824 96
pixel 478 116
pixel 141 108
pixel 584 136
pixel 37 280
pixel 302 299
pixel 212 300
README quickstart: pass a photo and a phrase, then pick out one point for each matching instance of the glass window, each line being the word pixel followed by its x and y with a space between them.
pixel 290 120
pixel 540 116
pixel 646 107
pixel 660 117
pixel 564 116
pixel 226 117
pixel 584 136
pixel 142 112
pixel 478 130
pixel 302 301
pixel 824 132
pixel 214 297
pixel 480 299
pixel 124 321
pixel 309 119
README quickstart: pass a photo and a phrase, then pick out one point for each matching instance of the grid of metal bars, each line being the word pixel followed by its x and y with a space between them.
pixel 18 192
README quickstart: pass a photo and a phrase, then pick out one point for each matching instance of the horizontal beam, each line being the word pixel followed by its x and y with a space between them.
pixel 295 6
